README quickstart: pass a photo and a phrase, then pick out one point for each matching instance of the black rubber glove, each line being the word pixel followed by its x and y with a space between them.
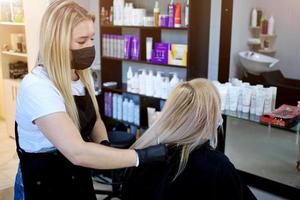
pixel 152 155
pixel 105 143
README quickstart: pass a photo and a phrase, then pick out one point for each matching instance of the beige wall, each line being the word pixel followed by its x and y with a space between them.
pixel 287 15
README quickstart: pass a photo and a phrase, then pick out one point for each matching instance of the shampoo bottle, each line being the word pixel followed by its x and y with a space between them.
pixel 115 106
pixel 137 114
pixel 125 110
pixel 271 26
pixel 150 84
pixel 177 15
pixel 130 111
pixel 187 14
pixel 171 13
pixel 129 79
pixel 174 81
pixel 156 14
pixel 254 18
pixel 120 106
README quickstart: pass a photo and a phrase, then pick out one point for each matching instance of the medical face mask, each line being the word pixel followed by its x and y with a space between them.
pixel 83 58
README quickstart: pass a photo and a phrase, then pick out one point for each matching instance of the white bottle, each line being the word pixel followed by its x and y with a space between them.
pixel 135 83
pixel 129 79
pixel 137 114
pixel 125 14
pixel 165 89
pixel 130 10
pixel 150 84
pixel 271 26
pixel 158 85
pixel 120 107
pixel 174 81
pixel 254 18
pixel 125 110
pixel 130 110
pixel 142 85
pixel 187 10
pixel 115 106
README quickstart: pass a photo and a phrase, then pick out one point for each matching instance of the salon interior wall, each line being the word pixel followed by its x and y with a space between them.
pixel 287 28
pixel 33 12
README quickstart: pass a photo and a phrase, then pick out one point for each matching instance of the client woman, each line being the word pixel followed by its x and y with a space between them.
pixel 188 125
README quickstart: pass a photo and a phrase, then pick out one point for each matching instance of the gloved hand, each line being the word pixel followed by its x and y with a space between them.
pixel 153 154
pixel 105 143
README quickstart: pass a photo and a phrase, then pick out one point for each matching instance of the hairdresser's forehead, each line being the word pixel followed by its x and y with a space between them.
pixel 84 29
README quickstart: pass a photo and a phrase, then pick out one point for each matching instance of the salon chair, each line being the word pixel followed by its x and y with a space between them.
pixel 118 139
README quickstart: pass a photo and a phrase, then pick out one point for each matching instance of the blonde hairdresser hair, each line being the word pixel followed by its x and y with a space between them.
pixel 189 119
pixel 55 38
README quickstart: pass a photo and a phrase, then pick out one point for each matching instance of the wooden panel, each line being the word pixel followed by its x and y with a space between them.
pixel 144 33
pixel 198 38
pixel 225 40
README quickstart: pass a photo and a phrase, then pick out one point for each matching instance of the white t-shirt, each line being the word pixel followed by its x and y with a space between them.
pixel 39 97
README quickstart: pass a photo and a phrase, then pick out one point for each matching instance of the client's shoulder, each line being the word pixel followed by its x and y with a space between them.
pixel 206 156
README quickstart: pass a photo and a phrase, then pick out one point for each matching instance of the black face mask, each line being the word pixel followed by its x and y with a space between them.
pixel 83 58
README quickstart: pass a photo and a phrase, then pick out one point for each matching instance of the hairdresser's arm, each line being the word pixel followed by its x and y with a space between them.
pixel 99 132
pixel 63 134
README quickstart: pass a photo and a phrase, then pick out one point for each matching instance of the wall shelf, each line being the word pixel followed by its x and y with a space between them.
pixel 8 53
pixel 145 27
pixel 143 62
pixel 12 23
pixel 267 51
pixel 124 90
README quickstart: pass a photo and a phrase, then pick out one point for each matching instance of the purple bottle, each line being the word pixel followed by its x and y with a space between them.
pixel 171 10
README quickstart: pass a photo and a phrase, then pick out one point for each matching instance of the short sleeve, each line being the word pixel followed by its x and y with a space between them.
pixel 39 100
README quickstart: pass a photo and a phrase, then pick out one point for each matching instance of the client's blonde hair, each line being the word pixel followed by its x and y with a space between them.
pixel 61 17
pixel 189 119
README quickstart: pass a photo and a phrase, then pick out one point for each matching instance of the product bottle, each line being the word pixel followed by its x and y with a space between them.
pixel 171 13
pixel 165 89
pixel 130 111
pixel 265 26
pixel 178 15
pixel 158 85
pixel 150 84
pixel 142 79
pixel 109 105
pixel 111 15
pixel 106 104
pixel 137 114
pixel 120 107
pixel 156 14
pixel 102 16
pixel 106 17
pixel 174 81
pixel 259 16
pixel 254 18
pixel 271 26
pixel 187 14
pixel 129 79
pixel 115 106
pixel 125 110
pixel 135 83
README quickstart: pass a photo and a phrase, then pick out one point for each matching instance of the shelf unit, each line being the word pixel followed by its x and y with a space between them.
pixel 8 53
pixel 197 37
pixel 12 23
pixel 265 40
pixel 9 86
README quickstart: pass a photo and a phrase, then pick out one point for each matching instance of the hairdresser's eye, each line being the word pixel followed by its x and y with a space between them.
pixel 81 43
pixel 92 39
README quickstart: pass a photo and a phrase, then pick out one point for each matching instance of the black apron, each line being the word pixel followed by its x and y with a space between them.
pixel 52 176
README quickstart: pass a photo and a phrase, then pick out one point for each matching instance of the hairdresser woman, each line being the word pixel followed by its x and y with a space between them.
pixel 58 128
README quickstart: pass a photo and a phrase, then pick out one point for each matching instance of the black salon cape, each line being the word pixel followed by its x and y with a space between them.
pixel 208 175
